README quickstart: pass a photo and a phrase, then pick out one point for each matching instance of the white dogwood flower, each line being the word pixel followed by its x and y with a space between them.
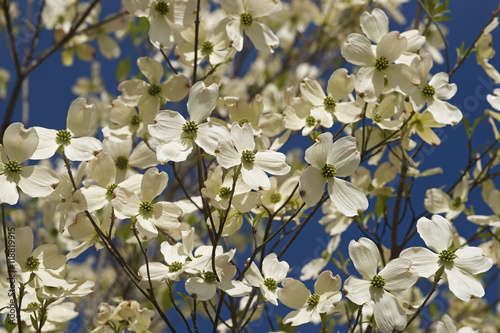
pixel 273 272
pixel 329 161
pixel 458 265
pixel 76 140
pixel 243 15
pixel 176 134
pixel 253 165
pixel 295 295
pixel 397 275
pixel 34 180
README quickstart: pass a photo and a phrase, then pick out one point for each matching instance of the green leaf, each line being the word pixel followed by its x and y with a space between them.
pixel 123 69
pixel 467 126
pixel 476 122
pixel 257 219
pixel 188 299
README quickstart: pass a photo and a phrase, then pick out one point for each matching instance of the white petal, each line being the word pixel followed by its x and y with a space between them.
pixel 273 268
pixel 8 194
pixel 202 101
pixel 146 227
pixel 175 88
pixel 157 272
pixel 348 199
pixel 153 184
pixel 242 137
pixel 102 169
pixel 311 184
pixel 294 294
pixel 298 317
pixel 389 314
pixel 316 155
pixel 463 285
pixel 357 290
pixel 234 288
pixel 365 257
pixel 173 150
pixel 126 202
pixel 344 156
pixel 272 162
pixel 327 283
pixel 391 46
pixel 255 177
pixel 83 149
pixel 226 155
pixel 151 69
pixel 472 260
pixel 369 83
pixel 357 50
pixel 20 143
pixel 38 181
pixel 197 288
pixel 262 37
pixel 166 215
pixel 47 144
pixel 444 90
pixel 399 275
pixel 259 8
pixel 160 33
pixel 209 135
pixel 90 198
pixel 235 33
pixel 436 233
pixel 312 91
pixel 402 78
pixel 424 261
pixel 444 112
pixel 167 125
pixel 340 84
pixel 375 25
pixel 232 7
pixel 81 117
pixel 253 276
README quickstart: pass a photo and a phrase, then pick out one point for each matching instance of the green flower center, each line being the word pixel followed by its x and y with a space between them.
pixel 63 137
pixel 207 48
pixel 110 188
pixel 447 256
pixel 271 284
pixel 381 64
pixel 246 19
pixel 310 121
pixel 190 127
pixel 328 171
pixel 428 91
pixel 209 277
pixel 175 267
pixel 162 8
pixel 275 198
pixel 154 90
pixel 377 117
pixel 247 156
pixel 135 121
pixel 329 103
pixel 121 162
pixel 378 282
pixel 146 207
pixel 33 264
pixel 13 167
pixel 243 121
pixel 313 300
pixel 456 202
pixel 225 192
pixel 33 305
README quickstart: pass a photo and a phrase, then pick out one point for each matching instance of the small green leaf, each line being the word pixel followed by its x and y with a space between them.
pixel 123 69
pixel 188 299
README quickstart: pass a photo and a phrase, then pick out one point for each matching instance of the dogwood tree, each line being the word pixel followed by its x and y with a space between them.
pixel 183 195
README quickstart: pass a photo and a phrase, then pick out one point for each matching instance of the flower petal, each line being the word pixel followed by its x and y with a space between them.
pixel 365 257
pixel 311 184
pixel 294 293
pixel 357 290
pixel 357 50
pixel 463 285
pixel 472 260
pixel 436 233
pixel 347 197
pixel 20 143
pixel 202 101
pixel 389 314
pixel 262 37
pixel 38 181
pixel 375 25
pixel 391 46
pixel 424 261
pixel 399 275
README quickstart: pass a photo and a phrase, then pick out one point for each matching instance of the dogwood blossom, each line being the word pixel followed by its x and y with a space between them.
pixel 328 161
pixel 295 294
pixel 397 275
pixel 243 15
pixel 36 181
pixel 273 272
pixel 253 165
pixel 459 265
